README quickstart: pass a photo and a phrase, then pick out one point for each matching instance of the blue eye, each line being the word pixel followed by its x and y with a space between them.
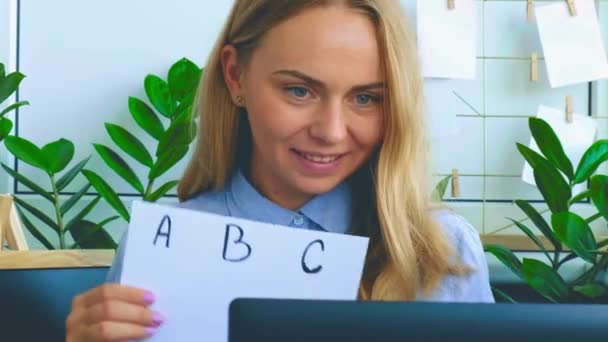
pixel 298 91
pixel 363 99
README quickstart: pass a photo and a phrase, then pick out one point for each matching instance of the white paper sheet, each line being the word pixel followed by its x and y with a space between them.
pixel 447 39
pixel 576 137
pixel 572 45
pixel 208 260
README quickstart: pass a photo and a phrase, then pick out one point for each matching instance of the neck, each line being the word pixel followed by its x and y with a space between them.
pixel 271 189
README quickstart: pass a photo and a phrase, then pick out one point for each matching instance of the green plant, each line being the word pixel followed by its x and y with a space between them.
pixel 556 177
pixel 52 159
pixel 172 100
pixel 8 85
pixel 440 188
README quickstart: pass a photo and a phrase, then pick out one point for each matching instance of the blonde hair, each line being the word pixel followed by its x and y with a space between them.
pixel 408 250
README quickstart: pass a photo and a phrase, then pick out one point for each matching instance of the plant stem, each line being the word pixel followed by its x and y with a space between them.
pixel 591 273
pixel 593 218
pixel 148 190
pixel 58 213
pixel 556 262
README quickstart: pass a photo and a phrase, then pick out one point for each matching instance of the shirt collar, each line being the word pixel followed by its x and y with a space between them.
pixel 331 211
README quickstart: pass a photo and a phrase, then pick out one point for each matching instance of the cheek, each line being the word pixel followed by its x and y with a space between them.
pixel 272 120
pixel 368 132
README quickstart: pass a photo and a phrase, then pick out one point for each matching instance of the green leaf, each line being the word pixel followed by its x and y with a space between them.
pixel 67 205
pixel 506 257
pixel 39 214
pixel 439 192
pixel 120 166
pixel 599 194
pixel 13 107
pixel 26 151
pixel 129 144
pixel 500 294
pixel 90 235
pixel 34 231
pixel 539 222
pixel 166 161
pixel 532 237
pixel 9 84
pixel 531 156
pixel 544 280
pixel 6 126
pixel 30 184
pixel 553 187
pixel 581 196
pixel 107 193
pixel 69 176
pixel 185 107
pixel 550 146
pixel 58 155
pixel 146 118
pixel 2 71
pixel 159 95
pixel 591 290
pixel 574 232
pixel 178 134
pixel 160 192
pixel 183 78
pixel 82 213
pixel 591 160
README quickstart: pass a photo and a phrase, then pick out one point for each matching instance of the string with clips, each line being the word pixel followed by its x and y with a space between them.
pixel 533 78
pixel 534 57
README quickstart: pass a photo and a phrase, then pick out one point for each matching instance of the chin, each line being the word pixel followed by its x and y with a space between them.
pixel 317 186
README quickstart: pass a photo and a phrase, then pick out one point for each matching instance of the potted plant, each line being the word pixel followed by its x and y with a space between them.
pixel 569 234
pixel 173 100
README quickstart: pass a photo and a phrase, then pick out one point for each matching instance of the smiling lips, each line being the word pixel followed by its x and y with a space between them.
pixel 319 158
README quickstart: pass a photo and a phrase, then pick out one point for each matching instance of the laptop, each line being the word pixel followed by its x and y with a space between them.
pixel 274 320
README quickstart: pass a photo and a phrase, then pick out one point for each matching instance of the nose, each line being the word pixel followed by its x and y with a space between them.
pixel 330 126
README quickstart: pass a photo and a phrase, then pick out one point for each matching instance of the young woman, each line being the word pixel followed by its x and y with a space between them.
pixel 311 117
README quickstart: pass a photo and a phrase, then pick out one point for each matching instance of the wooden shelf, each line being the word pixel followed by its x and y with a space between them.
pixel 56 259
pixel 39 259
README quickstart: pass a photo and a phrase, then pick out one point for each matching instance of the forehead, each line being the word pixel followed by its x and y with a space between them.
pixel 334 44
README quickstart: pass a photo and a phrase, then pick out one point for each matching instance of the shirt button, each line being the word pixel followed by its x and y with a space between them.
pixel 298 220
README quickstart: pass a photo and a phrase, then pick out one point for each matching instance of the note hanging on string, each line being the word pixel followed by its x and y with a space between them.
pixel 447 39
pixel 576 137
pixel 573 48
pixel 197 263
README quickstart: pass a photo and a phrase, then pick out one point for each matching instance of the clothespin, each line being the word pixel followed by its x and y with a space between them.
pixel 572 7
pixel 530 11
pixel 455 184
pixel 451 4
pixel 534 67
pixel 569 108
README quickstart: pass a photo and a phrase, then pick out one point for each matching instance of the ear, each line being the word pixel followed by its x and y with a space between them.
pixel 232 70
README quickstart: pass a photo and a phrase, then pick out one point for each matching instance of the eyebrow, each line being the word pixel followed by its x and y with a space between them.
pixel 319 84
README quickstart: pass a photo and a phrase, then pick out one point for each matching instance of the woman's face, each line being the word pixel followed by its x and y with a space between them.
pixel 313 91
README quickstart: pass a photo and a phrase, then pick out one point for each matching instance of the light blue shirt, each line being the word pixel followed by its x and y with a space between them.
pixel 332 212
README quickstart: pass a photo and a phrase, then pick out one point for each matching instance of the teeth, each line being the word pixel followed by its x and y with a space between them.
pixel 319 159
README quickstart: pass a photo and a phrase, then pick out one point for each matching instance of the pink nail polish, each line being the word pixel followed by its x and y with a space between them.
pixel 149 297
pixel 157 319
pixel 150 331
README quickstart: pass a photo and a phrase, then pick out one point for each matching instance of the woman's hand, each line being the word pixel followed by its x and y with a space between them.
pixel 112 312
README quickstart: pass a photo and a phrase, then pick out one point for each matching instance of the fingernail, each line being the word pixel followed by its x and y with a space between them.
pixel 157 319
pixel 149 297
pixel 150 331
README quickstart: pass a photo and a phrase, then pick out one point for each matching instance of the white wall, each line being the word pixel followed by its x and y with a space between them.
pixel 84 59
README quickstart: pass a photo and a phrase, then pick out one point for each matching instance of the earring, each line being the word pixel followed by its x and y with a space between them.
pixel 239 100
